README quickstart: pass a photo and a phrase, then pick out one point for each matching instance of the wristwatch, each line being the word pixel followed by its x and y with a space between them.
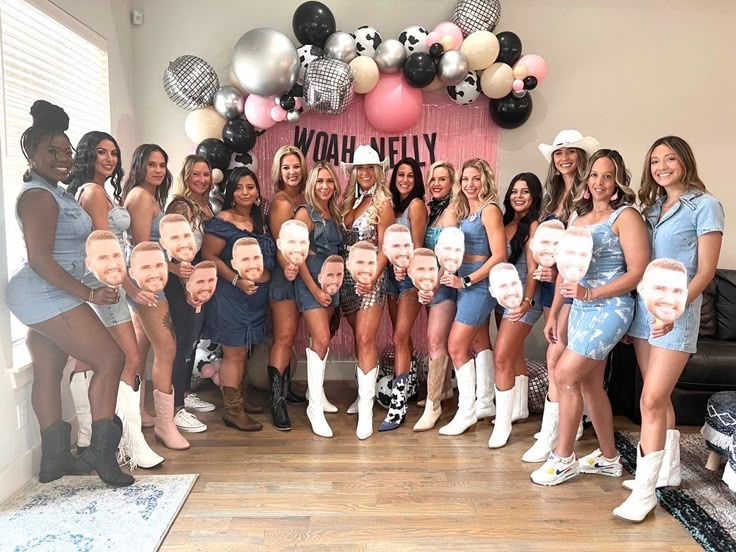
pixel 529 300
pixel 466 282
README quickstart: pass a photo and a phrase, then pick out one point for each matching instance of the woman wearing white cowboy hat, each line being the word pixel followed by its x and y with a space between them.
pixel 367 211
pixel 567 156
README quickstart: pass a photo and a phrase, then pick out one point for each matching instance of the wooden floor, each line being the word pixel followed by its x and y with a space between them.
pixel 399 490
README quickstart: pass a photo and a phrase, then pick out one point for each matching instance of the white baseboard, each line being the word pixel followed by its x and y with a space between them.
pixel 19 472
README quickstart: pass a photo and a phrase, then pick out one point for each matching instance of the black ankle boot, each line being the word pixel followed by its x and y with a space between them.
pixel 291 396
pixel 102 452
pixel 56 457
pixel 278 400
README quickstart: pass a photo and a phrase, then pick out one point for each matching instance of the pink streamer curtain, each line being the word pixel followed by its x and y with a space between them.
pixel 446 131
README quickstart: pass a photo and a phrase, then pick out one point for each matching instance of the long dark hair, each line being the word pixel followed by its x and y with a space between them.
pixel 48 120
pixel 138 168
pixel 83 170
pixel 229 202
pixel 417 192
pixel 522 229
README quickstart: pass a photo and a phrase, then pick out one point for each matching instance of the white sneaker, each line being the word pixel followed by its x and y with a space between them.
pixel 186 421
pixel 595 463
pixel 194 404
pixel 556 470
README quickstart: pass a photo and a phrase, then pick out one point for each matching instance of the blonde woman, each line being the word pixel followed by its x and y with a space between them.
pixel 367 211
pixel 289 176
pixel 475 202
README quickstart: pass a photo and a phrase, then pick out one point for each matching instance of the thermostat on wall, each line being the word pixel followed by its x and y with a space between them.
pixel 136 17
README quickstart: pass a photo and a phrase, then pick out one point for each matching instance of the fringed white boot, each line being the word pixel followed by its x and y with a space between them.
pixel 133 448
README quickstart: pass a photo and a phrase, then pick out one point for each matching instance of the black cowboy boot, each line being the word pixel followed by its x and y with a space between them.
pixel 278 399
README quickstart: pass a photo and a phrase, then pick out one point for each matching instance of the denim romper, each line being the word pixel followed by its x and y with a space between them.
pixel 280 289
pixel 399 287
pixel 594 327
pixel 324 240
pixel 533 314
pixel 31 298
pixel 442 293
pixel 155 236
pixel 118 221
pixel 675 236
pixel 474 304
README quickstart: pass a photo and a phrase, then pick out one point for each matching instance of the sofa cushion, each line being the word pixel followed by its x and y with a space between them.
pixel 708 325
pixel 726 304
pixel 712 368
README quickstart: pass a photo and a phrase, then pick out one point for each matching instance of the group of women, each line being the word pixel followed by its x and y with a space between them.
pixel 585 186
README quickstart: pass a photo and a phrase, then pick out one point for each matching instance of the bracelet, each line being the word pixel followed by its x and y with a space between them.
pixel 91 295
pixel 588 294
pixel 235 279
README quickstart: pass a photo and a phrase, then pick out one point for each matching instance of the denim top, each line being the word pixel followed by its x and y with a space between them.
pixel 118 218
pixel 476 237
pixel 325 238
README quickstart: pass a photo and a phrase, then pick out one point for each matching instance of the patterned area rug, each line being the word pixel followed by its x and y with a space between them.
pixel 84 514
pixel 703 504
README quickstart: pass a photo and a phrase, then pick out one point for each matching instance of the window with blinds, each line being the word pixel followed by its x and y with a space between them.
pixel 44 54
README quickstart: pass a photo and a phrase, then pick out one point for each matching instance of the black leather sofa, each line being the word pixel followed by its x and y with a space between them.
pixel 711 369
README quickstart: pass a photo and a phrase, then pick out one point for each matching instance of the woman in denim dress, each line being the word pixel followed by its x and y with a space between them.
pixel 685 223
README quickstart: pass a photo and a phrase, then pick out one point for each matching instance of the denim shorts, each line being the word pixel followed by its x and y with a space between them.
pixel 595 327
pixel 443 293
pixel 280 289
pixel 548 294
pixel 474 304
pixel 109 315
pixel 304 299
pixel 684 334
pixel 397 287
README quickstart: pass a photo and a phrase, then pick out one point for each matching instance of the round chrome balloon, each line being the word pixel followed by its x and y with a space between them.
pixel 341 46
pixel 229 102
pixel 452 68
pixel 390 56
pixel 265 62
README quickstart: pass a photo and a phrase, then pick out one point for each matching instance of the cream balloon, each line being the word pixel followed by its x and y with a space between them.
pixel 204 123
pixel 481 48
pixel 496 81
pixel 217 176
pixel 365 74
pixel 521 72
pixel 435 86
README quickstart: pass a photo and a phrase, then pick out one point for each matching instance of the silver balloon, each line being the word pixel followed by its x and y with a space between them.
pixel 216 205
pixel 190 82
pixel 328 86
pixel 293 116
pixel 229 102
pixel 265 62
pixel 476 15
pixel 341 46
pixel 452 68
pixel 390 56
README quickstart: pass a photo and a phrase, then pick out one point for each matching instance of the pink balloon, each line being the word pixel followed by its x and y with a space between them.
pixel 433 38
pixel 393 105
pixel 278 113
pixel 297 104
pixel 535 64
pixel 447 28
pixel 207 371
pixel 258 111
pixel 517 85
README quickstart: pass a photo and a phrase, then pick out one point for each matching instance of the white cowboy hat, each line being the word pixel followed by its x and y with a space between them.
pixel 569 139
pixel 365 155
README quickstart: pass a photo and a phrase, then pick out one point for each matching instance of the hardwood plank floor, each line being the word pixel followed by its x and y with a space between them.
pixel 395 491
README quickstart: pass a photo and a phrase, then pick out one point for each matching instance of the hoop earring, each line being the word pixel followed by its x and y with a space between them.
pixel 258 202
pixel 614 197
pixel 586 194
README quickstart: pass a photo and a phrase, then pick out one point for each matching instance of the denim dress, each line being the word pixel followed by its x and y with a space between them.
pixel 596 326
pixel 442 293
pixel 325 239
pixel 399 287
pixel 675 236
pixel 31 298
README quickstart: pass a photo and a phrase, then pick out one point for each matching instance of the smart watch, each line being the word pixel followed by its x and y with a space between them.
pixel 466 282
pixel 529 300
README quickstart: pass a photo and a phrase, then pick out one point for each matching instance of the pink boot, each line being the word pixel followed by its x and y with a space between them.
pixel 165 430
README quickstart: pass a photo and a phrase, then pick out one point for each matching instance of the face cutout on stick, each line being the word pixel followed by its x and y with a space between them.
pixel 544 242
pixel 331 274
pixel 148 267
pixel 505 285
pixel 362 262
pixel 248 259
pixel 105 258
pixel 664 290
pixel 202 282
pixel 398 245
pixel 450 248
pixel 293 241
pixel 177 237
pixel 424 270
pixel 574 252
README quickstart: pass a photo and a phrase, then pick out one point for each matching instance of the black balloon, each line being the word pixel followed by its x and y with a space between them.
pixel 530 83
pixel 216 152
pixel 297 91
pixel 312 23
pixel 509 48
pixel 436 50
pixel 419 69
pixel 510 112
pixel 287 102
pixel 239 135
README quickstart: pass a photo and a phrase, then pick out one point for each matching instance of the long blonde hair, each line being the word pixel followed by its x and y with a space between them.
pixel 311 197
pixel 488 190
pixel 181 187
pixel 440 165
pixel 282 152
pixel 554 188
pixel 649 190
pixel 379 198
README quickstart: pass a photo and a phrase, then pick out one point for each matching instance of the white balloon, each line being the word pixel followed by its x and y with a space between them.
pixel 365 74
pixel 367 40
pixel 204 123
pixel 414 39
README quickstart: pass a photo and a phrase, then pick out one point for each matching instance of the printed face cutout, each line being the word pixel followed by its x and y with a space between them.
pixel 664 289
pixel 398 246
pixel 544 242
pixel 105 258
pixel 248 259
pixel 177 238
pixel 450 249
pixel 424 270
pixel 293 241
pixel 574 252
pixel 362 262
pixel 202 282
pixel 331 275
pixel 148 267
pixel 505 285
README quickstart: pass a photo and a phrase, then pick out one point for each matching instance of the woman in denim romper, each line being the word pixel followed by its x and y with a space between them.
pixel 602 311
pixel 686 224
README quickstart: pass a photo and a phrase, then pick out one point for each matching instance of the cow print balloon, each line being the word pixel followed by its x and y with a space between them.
pixel 367 40
pixel 307 54
pixel 414 39
pixel 467 91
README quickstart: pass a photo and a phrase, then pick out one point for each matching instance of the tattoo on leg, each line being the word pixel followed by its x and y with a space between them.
pixel 169 323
